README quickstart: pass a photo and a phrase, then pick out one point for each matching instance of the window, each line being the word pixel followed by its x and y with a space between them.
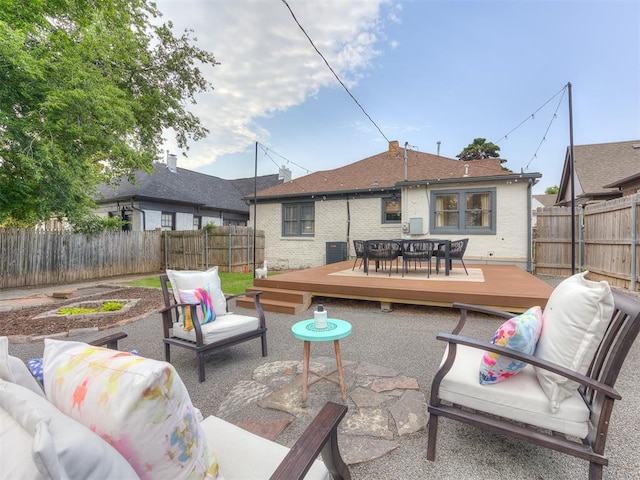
pixel 197 222
pixel 391 210
pixel 167 221
pixel 464 211
pixel 298 219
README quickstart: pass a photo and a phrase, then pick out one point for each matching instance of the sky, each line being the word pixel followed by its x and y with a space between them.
pixel 433 75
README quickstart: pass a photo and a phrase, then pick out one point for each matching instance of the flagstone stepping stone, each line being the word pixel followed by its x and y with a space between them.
pixel 367 421
pixel 364 397
pixel 244 393
pixel 358 449
pixel 386 384
pixel 409 412
pixel 266 429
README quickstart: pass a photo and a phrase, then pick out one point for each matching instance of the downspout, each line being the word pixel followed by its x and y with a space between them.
pixel 529 228
pixel 348 225
pixel 144 218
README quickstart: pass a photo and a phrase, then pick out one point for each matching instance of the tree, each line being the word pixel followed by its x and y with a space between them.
pixel 552 190
pixel 86 91
pixel 480 149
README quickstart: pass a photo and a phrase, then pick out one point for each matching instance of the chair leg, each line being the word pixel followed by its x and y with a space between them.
pixel 465 267
pixel 167 352
pixel 431 437
pixel 263 338
pixel 200 367
pixel 595 471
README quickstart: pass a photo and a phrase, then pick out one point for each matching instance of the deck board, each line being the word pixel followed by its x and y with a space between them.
pixel 506 287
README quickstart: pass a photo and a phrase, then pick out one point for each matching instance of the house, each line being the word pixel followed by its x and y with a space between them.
pixel 397 194
pixel 173 198
pixel 602 171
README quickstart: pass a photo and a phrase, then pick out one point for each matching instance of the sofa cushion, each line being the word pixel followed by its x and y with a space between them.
pixel 519 333
pixel 574 322
pixel 204 311
pixel 13 370
pixel 139 405
pixel 39 441
pixel 521 398
pixel 225 326
pixel 231 444
pixel 190 279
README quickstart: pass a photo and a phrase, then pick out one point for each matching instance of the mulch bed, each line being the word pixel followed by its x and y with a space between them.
pixel 22 322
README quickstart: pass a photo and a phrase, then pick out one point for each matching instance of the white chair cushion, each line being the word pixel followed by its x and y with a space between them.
pixel 519 398
pixel 190 279
pixel 13 370
pixel 224 326
pixel 39 441
pixel 244 455
pixel 574 321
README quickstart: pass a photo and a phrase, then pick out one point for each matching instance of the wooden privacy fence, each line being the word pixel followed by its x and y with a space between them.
pixel 606 235
pixel 28 257
pixel 231 248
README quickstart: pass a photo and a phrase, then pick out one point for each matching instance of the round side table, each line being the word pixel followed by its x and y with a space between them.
pixel 307 332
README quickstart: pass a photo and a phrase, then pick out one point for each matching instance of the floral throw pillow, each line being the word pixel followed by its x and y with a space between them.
pixel 204 310
pixel 519 333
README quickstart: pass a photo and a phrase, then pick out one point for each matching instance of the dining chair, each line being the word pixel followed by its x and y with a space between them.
pixel 456 251
pixel 417 251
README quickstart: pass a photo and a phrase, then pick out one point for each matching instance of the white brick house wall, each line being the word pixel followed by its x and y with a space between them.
pixel 508 245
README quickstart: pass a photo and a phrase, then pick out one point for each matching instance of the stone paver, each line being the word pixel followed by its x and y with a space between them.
pixel 384 405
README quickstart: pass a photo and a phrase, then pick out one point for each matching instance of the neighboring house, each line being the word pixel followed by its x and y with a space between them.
pixel 541 201
pixel 174 198
pixel 396 195
pixel 602 171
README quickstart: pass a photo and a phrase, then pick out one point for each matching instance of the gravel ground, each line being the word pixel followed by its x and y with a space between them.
pixel 403 339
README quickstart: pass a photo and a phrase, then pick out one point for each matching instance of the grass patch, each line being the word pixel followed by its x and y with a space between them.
pixel 105 307
pixel 232 283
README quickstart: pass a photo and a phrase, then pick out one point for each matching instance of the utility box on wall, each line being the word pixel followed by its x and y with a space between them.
pixel 336 252
pixel 415 226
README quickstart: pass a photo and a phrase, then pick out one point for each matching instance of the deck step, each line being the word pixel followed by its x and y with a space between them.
pixel 277 300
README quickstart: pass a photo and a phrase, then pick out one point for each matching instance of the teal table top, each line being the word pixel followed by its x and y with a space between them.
pixel 306 330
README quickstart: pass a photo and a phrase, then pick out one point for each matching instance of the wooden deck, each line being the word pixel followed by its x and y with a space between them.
pixel 505 287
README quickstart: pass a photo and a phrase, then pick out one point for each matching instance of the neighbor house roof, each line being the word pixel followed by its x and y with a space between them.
pixel 179 187
pixel 547 199
pixel 597 167
pixel 246 186
pixel 383 171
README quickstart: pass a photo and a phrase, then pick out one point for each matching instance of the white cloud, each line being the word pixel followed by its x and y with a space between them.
pixel 267 64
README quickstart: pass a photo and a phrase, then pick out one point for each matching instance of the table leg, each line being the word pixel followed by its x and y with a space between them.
pixel 305 369
pixel 447 258
pixel 343 389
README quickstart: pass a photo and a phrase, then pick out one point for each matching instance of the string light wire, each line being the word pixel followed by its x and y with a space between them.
pixel 333 71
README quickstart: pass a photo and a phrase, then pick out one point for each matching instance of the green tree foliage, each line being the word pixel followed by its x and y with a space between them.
pixel 552 190
pixel 86 91
pixel 480 149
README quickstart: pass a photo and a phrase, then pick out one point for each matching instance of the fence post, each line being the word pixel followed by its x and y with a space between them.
pixel 634 206
pixel 580 238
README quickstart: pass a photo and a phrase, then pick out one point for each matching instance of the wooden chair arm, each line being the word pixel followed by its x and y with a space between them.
pixel 320 436
pixel 256 303
pixel 465 307
pixel 110 341
pixel 531 359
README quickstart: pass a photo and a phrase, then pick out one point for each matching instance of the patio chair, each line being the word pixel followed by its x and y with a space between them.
pixel 456 251
pixel 417 251
pixel 382 251
pixel 225 330
pixel 520 406
pixel 358 246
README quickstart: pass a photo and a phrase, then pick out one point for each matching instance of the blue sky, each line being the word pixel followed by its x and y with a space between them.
pixel 424 71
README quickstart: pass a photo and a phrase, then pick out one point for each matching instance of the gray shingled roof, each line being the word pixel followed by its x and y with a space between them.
pixel 181 187
pixel 547 199
pixel 605 163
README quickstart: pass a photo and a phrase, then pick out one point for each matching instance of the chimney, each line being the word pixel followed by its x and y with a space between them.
pixel 284 174
pixel 172 162
pixel 394 148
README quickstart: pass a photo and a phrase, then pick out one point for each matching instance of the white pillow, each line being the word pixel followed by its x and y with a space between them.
pixel 138 405
pixel 190 279
pixel 574 322
pixel 13 370
pixel 39 441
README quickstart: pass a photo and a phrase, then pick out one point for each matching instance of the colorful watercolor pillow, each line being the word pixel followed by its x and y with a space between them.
pixel 13 370
pixel 138 405
pixel 575 319
pixel 205 310
pixel 519 333
pixel 190 279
